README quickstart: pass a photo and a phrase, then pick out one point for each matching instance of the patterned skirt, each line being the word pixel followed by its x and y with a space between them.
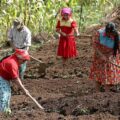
pixel 105 72
pixel 5 94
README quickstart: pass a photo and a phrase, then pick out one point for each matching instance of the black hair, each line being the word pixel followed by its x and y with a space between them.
pixel 110 28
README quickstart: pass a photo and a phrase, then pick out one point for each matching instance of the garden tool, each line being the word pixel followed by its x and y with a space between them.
pixel 114 64
pixel 84 36
pixel 81 36
pixel 43 66
pixel 35 101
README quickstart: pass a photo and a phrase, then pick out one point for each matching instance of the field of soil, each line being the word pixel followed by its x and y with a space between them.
pixel 65 96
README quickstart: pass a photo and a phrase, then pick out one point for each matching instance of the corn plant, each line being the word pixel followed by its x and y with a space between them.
pixel 39 15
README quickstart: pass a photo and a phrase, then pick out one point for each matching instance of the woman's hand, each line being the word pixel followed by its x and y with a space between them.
pixel 78 34
pixel 21 86
pixel 26 92
pixel 102 56
pixel 63 34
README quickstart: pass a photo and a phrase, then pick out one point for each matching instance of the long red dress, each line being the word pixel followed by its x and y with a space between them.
pixel 101 71
pixel 67 45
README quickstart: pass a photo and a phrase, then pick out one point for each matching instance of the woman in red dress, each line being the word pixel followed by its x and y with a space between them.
pixel 66 27
pixel 106 57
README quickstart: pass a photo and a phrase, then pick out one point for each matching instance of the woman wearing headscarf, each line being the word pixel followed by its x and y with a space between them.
pixel 66 27
pixel 104 68
pixel 9 72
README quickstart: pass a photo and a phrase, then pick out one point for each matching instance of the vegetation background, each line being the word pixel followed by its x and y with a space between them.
pixel 40 15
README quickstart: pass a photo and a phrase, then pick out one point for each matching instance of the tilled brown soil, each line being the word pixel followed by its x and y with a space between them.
pixel 68 96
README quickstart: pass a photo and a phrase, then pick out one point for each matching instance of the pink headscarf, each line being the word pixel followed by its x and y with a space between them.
pixel 22 54
pixel 66 11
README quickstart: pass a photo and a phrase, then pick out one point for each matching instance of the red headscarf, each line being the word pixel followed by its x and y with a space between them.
pixel 22 54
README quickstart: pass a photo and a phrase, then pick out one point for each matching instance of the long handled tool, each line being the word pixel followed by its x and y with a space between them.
pixel 84 36
pixel 35 101
pixel 114 64
pixel 29 93
pixel 36 59
pixel 81 36
pixel 42 65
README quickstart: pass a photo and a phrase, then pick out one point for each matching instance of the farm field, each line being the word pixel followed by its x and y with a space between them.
pixel 71 96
